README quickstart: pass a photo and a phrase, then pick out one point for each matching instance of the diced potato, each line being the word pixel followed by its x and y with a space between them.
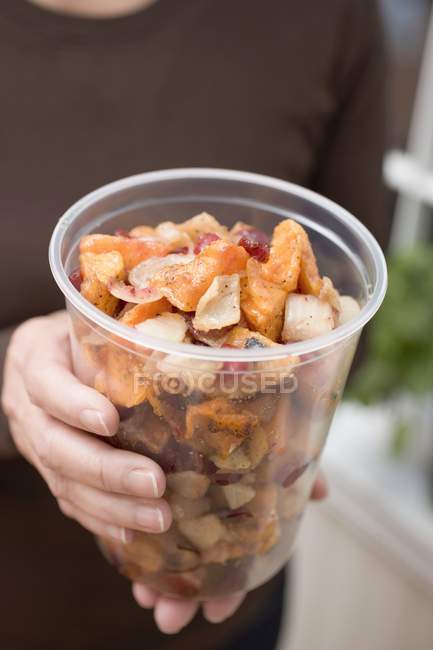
pixel 262 302
pixel 242 337
pixel 349 309
pixel 265 501
pixel 167 326
pixel 329 294
pixel 188 484
pixel 310 281
pixel 238 494
pixel 98 295
pixel 193 374
pixel 306 317
pixel 238 461
pixel 181 559
pixel 140 313
pixel 223 552
pixel 133 250
pixel 97 270
pixel 269 536
pixel 173 235
pixel 201 224
pixel 218 426
pixel 258 446
pixel 203 532
pixel 104 266
pixel 219 306
pixel 183 508
pixel 185 284
pixel 284 264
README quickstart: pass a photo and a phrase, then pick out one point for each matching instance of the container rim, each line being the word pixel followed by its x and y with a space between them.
pixel 131 335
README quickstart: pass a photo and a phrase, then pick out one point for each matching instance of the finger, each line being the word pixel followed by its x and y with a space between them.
pixel 218 609
pixel 95 525
pixel 52 387
pixel 320 489
pixel 171 615
pixel 85 459
pixel 150 516
pixel 144 596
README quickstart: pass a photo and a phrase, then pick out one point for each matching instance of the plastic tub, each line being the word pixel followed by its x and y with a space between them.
pixel 239 433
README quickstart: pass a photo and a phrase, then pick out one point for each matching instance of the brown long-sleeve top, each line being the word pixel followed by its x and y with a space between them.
pixel 290 88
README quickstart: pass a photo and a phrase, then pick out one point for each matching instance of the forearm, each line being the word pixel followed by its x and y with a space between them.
pixel 7 447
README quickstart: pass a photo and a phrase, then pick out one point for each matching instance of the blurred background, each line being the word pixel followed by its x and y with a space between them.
pixel 364 565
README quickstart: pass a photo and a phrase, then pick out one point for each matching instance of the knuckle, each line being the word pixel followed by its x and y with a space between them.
pixel 104 475
pixel 66 508
pixel 43 447
pixel 8 405
pixel 58 486
pixel 37 377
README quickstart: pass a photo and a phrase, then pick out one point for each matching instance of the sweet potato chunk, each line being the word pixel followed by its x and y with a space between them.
pixel 132 250
pixel 262 302
pixel 140 313
pixel 190 485
pixel 202 224
pixel 284 264
pixel 97 270
pixel 122 379
pixel 184 285
pixel 310 281
pixel 218 426
pixel 142 231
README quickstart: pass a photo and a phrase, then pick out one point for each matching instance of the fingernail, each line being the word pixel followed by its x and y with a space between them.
pixel 150 519
pixel 215 619
pixel 93 421
pixel 126 535
pixel 121 534
pixel 141 481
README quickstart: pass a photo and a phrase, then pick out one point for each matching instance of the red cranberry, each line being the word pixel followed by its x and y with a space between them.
pixel 76 279
pixel 286 476
pixel 226 478
pixel 254 235
pixel 181 251
pixel 204 240
pixel 256 249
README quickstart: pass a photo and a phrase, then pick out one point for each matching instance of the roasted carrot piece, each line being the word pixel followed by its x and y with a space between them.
pixel 140 313
pixel 310 281
pixel 262 302
pixel 284 263
pixel 132 250
pixel 184 284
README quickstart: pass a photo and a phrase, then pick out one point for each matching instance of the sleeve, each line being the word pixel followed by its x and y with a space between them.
pixel 349 168
pixel 7 448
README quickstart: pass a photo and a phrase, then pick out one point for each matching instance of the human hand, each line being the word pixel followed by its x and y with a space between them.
pixel 171 614
pixel 110 492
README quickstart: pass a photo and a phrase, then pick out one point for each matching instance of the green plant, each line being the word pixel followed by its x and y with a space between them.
pixel 400 347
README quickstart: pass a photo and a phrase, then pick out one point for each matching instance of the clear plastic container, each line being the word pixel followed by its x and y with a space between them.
pixel 239 433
